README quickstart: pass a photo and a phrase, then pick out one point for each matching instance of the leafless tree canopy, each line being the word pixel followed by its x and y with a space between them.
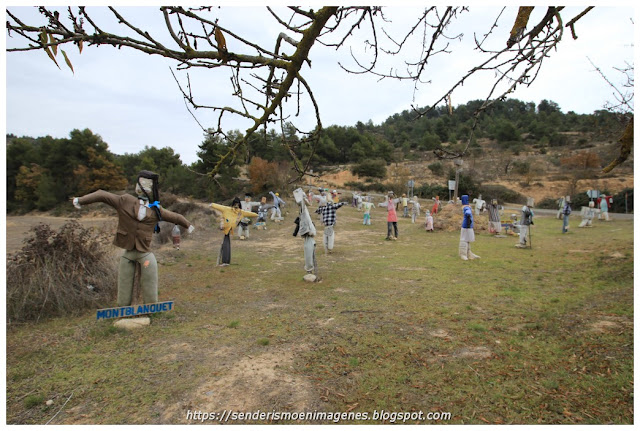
pixel 267 77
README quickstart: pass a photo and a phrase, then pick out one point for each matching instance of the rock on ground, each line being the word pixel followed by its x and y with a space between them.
pixel 133 323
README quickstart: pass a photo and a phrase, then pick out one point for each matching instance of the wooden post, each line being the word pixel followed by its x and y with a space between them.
pixel 458 164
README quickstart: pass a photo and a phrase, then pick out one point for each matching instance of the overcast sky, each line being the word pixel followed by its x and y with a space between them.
pixel 131 99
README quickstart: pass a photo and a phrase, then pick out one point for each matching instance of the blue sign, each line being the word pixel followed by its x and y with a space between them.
pixel 134 310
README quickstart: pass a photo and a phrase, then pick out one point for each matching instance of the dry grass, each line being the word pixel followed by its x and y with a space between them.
pixel 60 272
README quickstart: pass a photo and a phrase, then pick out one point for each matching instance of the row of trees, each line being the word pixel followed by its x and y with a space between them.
pixel 43 172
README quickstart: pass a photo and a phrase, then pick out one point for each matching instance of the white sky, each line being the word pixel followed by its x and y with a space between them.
pixel 131 99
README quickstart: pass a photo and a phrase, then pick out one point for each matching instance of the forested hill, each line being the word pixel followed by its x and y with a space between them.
pixel 43 172
pixel 512 124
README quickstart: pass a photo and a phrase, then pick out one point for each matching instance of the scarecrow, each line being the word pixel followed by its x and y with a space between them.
pixel 428 221
pixel 467 235
pixel 366 209
pixel 436 205
pixel 328 213
pixel 392 217
pixel 405 205
pixel 587 215
pixel 263 209
pixel 415 209
pixel 138 218
pixel 526 221
pixel 307 232
pixel 243 225
pixel 566 212
pixel 495 226
pixel 604 208
pixel 231 217
pixel 276 213
pixel 480 204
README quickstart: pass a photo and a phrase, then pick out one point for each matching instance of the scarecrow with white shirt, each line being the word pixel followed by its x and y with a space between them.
pixel 243 225
pixel 307 231
pixel 138 219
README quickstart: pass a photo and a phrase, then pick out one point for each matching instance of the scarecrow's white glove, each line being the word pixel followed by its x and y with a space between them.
pixel 75 203
pixel 191 229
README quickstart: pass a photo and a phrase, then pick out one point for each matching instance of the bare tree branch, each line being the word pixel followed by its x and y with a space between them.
pixel 263 93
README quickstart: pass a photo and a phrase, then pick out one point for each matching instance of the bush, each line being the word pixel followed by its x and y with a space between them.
pixel 502 194
pixel 548 203
pixel 427 191
pixel 60 273
pixel 266 175
pixel 356 185
pixel 370 187
pixel 618 201
pixel 436 168
pixel 370 168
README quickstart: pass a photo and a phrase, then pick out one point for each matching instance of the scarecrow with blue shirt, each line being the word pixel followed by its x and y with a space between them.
pixel 467 236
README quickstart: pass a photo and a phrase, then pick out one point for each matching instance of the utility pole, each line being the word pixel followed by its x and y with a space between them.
pixel 458 164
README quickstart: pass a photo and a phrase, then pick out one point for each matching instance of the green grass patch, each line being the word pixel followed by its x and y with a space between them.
pixel 517 337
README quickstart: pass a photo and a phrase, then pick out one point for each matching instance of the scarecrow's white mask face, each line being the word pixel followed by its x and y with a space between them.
pixel 147 184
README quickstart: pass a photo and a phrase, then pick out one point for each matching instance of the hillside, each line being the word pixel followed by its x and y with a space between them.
pixel 546 177
pixel 519 148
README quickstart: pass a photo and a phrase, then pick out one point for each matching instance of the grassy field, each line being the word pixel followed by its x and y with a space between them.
pixel 531 336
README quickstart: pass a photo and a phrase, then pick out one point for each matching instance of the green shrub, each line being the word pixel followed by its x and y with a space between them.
pixel 502 194
pixel 370 168
pixel 33 400
pixel 548 203
pixel 436 168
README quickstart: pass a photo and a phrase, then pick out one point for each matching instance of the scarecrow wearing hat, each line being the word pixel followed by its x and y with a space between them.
pixel 405 205
pixel 263 209
pixel 276 214
pixel 138 218
pixel 467 236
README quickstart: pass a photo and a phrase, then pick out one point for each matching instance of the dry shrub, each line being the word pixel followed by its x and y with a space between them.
pixel 61 273
pixel 167 200
pixel 267 175
pixel 449 219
